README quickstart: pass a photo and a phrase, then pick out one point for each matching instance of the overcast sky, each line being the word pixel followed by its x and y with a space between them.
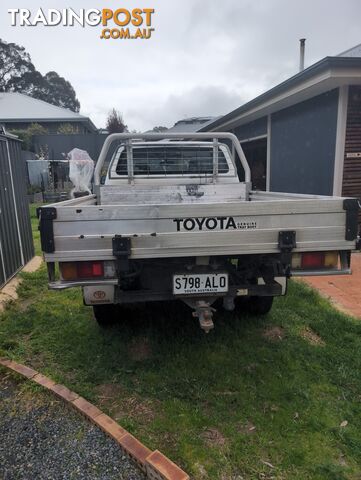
pixel 204 58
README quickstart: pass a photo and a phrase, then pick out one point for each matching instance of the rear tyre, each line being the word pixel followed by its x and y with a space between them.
pixel 254 305
pixel 105 315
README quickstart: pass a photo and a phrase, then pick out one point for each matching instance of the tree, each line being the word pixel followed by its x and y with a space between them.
pixel 115 123
pixel 160 129
pixel 31 83
pixel 27 135
pixel 61 93
pixel 18 74
pixel 14 63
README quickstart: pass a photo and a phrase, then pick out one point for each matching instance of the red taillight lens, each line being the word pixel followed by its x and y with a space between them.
pixel 313 260
pixel 98 269
pixel 77 270
pixel 90 269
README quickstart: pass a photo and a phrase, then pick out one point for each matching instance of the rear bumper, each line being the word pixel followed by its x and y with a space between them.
pixel 61 285
pixel 135 296
pixel 115 295
pixel 317 273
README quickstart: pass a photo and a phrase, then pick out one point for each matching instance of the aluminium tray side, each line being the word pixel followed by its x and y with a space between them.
pixel 176 230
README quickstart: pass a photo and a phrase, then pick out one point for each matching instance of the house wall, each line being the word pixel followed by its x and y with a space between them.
pixel 302 146
pixel 351 185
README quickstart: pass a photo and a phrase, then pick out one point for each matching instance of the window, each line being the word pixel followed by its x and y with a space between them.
pixel 171 160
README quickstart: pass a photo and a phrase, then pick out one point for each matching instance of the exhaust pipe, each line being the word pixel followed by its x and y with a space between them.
pixel 302 53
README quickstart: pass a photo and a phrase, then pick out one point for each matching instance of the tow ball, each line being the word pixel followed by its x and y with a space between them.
pixel 204 312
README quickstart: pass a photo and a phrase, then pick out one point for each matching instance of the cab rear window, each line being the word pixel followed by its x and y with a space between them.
pixel 171 160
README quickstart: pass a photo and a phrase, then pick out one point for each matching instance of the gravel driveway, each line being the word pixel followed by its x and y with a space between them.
pixel 41 438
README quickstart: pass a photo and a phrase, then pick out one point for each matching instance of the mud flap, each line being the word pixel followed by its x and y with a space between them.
pixel 98 294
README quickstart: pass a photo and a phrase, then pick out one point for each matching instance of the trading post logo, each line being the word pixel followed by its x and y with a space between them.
pixel 116 24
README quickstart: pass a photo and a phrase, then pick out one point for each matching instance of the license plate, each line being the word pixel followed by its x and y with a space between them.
pixel 189 284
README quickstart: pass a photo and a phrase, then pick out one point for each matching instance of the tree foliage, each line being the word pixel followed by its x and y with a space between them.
pixel 18 74
pixel 26 135
pixel 61 92
pixel 115 123
pixel 67 129
pixel 14 63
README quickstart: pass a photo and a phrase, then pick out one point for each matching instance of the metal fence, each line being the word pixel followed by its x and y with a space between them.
pixel 16 241
pixel 49 174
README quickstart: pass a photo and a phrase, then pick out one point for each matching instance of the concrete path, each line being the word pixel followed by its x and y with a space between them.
pixel 343 290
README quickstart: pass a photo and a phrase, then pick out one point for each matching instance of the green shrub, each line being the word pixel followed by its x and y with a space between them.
pixel 26 135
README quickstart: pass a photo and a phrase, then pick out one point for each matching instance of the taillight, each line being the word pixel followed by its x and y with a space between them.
pixel 314 260
pixel 331 259
pixel 90 269
pixel 81 270
pixel 68 270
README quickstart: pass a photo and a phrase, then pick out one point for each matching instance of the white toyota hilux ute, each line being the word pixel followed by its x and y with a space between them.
pixel 169 219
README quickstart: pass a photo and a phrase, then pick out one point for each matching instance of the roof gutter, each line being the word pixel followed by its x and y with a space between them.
pixel 52 120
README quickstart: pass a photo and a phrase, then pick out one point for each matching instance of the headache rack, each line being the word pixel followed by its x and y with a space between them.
pixel 167 159
pixel 126 139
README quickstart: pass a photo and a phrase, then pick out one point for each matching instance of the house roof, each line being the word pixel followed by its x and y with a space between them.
pixel 325 75
pixel 351 52
pixel 188 125
pixel 18 108
pixel 191 124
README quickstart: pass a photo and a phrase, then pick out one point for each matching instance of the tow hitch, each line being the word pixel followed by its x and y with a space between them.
pixel 204 312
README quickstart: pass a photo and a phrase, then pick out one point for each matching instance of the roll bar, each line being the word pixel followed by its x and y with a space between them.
pixel 128 137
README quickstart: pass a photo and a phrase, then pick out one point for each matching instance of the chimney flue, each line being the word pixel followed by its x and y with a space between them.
pixel 302 53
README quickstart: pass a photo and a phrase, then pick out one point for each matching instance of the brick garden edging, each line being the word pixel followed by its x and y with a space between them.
pixel 156 465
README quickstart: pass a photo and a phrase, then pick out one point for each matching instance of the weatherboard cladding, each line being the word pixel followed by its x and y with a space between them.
pixel 303 140
pixel 351 186
pixel 16 243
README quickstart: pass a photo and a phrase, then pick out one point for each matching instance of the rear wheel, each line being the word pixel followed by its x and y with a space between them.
pixel 106 315
pixel 254 305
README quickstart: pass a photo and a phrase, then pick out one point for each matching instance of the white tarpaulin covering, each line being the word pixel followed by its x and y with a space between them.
pixel 81 168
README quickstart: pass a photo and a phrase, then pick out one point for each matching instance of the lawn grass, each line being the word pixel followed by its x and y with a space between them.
pixel 257 398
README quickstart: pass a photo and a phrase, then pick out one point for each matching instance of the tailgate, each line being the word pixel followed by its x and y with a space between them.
pixel 208 229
